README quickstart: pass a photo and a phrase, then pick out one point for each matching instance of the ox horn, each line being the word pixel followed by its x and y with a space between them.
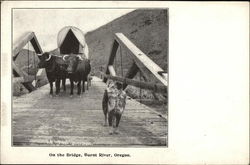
pixel 48 58
pixel 80 57
pixel 38 54
pixel 65 57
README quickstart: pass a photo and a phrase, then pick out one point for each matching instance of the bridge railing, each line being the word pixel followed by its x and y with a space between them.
pixel 141 62
pixel 20 75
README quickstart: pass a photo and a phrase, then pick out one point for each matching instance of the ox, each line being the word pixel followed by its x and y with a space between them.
pixel 78 70
pixel 54 70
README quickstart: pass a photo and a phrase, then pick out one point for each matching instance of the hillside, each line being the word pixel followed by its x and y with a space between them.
pixel 147 29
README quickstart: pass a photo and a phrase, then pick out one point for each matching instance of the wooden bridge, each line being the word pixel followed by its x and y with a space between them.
pixel 39 120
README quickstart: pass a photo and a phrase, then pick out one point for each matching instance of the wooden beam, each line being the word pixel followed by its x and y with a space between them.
pixel 19 73
pixel 29 86
pixel 30 36
pixel 111 70
pixel 131 73
pixel 30 78
pixel 140 58
pixel 144 71
pixel 159 88
pixel 26 79
pixel 18 79
pixel 19 45
pixel 111 57
pixel 36 45
pixel 39 72
pixel 23 77
pixel 164 74
pixel 113 52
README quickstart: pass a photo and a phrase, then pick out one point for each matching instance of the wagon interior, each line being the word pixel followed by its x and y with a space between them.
pixel 70 44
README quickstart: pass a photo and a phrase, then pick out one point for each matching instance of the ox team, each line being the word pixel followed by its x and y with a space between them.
pixel 73 62
pixel 73 66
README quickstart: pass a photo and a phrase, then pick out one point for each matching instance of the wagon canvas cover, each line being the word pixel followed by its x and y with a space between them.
pixel 70 39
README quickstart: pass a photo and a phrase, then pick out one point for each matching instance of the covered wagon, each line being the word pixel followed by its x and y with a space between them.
pixel 70 39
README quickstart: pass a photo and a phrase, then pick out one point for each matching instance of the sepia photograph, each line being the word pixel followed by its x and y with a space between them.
pixel 124 82
pixel 86 77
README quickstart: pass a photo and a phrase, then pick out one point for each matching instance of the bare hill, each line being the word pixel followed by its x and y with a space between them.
pixel 147 29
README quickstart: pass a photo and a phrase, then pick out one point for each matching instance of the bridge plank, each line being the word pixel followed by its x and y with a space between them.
pixel 39 120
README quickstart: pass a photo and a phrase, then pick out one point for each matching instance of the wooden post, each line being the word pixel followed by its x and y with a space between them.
pixel 101 69
pixel 111 70
pixel 111 57
pixel 36 45
pixel 131 73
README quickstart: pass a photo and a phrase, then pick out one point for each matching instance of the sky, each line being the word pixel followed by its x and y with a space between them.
pixel 46 23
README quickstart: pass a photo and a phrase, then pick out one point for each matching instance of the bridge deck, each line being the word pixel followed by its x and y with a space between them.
pixel 38 120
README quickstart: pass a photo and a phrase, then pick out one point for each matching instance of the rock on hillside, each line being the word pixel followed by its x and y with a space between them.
pixel 147 29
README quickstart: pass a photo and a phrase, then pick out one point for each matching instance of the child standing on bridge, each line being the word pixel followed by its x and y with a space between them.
pixel 114 101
